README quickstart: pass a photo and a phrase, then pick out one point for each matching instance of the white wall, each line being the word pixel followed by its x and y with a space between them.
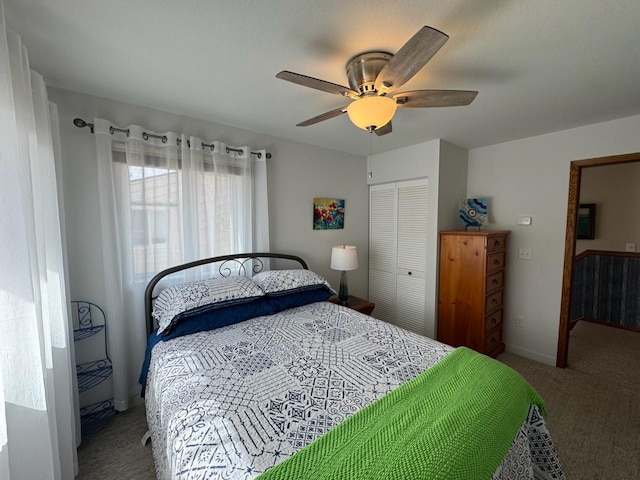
pixel 615 189
pixel 445 166
pixel 452 184
pixel 531 176
pixel 296 174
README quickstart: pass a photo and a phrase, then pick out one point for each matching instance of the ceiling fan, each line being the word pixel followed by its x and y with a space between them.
pixel 374 76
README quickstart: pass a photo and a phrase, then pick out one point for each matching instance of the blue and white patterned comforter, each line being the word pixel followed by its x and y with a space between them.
pixel 232 402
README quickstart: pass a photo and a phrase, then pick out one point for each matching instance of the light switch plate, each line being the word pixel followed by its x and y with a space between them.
pixel 524 253
pixel 525 220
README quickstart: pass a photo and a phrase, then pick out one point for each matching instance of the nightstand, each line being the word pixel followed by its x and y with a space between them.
pixel 356 303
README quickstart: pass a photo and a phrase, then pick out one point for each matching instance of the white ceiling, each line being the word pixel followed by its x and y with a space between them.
pixel 538 65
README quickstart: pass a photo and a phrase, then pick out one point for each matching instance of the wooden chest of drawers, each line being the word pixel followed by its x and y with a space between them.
pixel 471 289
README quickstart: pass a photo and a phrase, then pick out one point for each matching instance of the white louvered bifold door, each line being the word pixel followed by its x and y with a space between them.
pixel 382 250
pixel 412 203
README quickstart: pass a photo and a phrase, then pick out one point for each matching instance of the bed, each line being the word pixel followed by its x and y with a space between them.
pixel 254 374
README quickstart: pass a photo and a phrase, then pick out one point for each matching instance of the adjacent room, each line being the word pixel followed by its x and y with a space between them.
pixel 322 239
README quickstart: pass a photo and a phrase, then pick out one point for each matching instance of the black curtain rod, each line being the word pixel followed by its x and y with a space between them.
pixel 80 123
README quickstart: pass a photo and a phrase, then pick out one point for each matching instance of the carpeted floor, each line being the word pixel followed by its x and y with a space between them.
pixel 116 452
pixel 593 406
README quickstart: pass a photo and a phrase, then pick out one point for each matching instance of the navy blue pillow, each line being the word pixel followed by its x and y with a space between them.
pixel 282 301
pixel 221 317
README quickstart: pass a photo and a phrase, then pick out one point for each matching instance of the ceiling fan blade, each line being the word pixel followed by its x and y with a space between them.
pixel 384 130
pixel 316 83
pixel 322 117
pixel 410 58
pixel 434 98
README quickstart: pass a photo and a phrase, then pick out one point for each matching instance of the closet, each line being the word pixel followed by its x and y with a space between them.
pixel 398 252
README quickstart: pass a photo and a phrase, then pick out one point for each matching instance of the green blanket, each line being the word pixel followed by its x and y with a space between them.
pixel 456 420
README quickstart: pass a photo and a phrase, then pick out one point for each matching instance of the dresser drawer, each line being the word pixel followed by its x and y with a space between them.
pixel 493 302
pixel 495 281
pixel 495 261
pixel 492 321
pixel 493 340
pixel 495 244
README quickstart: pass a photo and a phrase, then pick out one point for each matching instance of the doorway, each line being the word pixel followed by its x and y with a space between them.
pixel 575 173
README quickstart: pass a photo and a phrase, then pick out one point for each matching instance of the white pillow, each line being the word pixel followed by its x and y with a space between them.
pixel 180 301
pixel 282 282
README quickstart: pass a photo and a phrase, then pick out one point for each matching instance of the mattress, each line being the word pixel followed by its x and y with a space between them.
pixel 232 402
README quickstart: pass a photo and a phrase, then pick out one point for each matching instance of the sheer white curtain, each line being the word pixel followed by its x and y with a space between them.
pixel 166 199
pixel 38 402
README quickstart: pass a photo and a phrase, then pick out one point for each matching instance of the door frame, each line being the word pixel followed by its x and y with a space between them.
pixel 575 174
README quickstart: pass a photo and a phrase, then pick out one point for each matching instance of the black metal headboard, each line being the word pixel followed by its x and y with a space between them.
pixel 228 264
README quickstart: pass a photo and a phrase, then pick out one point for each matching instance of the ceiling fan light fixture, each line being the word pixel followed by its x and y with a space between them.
pixel 375 76
pixel 371 112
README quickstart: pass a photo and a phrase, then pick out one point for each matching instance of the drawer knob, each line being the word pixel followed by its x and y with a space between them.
pixel 496 262
pixel 494 301
pixel 495 281
pixel 409 273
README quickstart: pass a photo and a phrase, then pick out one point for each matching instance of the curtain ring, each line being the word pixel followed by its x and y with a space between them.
pixel 112 130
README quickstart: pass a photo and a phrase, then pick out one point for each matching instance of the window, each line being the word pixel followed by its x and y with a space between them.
pixel 149 227
pixel 158 218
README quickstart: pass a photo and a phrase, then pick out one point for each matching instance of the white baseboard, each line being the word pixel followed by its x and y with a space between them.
pixel 530 354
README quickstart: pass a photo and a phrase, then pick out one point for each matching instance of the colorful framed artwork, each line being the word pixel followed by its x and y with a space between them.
pixel 586 227
pixel 328 213
pixel 473 212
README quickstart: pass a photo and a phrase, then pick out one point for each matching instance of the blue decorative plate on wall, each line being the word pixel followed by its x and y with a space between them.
pixel 473 212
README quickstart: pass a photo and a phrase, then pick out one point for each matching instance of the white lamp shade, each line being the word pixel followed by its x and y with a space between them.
pixel 372 111
pixel 344 257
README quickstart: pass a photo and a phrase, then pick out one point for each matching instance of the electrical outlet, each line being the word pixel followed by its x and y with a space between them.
pixel 524 253
pixel 631 247
pixel 519 321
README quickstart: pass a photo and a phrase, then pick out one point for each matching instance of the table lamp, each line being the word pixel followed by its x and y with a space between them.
pixel 344 258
